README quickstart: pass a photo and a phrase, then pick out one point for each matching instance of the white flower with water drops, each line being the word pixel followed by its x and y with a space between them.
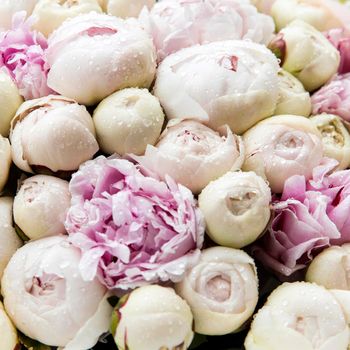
pixel 222 290
pixel 300 316
pixel 45 300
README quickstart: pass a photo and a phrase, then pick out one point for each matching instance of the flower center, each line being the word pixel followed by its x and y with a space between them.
pixel 219 288
pixel 240 203
pixel 331 134
pixel 49 286
pixel 308 326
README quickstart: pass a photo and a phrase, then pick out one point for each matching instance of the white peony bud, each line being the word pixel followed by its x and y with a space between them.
pixel 331 268
pixel 222 290
pixel 10 100
pixel 236 208
pixel 93 55
pixel 5 161
pixel 152 318
pixel 9 241
pixel 50 14
pixel 306 53
pixel 9 338
pixel 126 8
pixel 193 154
pixel 301 316
pixel 293 99
pixel 231 82
pixel 54 133
pixel 335 138
pixel 49 301
pixel 127 121
pixel 40 206
pixel 282 146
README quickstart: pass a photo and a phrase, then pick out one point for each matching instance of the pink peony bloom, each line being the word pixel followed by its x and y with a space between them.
pixel 341 41
pixel 175 25
pixel 334 97
pixel 309 217
pixel 132 229
pixel 22 57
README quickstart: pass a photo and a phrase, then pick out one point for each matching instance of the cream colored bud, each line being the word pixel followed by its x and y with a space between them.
pixel 9 338
pixel 10 100
pixel 9 241
pixel 51 14
pixel 293 99
pixel 41 206
pixel 306 53
pixel 128 121
pixel 236 208
pixel 153 318
pixel 335 138
pixel 5 161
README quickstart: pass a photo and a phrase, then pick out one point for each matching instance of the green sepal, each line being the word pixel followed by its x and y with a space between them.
pixel 116 314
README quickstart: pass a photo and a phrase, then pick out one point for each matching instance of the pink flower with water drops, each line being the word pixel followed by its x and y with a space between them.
pixel 334 97
pixel 175 25
pixel 132 229
pixel 22 57
pixel 341 41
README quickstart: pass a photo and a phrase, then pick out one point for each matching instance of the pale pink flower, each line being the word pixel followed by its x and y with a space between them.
pixel 334 97
pixel 310 216
pixel 133 229
pixel 175 25
pixel 22 57
pixel 193 154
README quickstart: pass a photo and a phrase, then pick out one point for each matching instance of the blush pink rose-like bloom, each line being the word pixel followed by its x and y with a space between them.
pixel 22 57
pixel 309 217
pixel 341 42
pixel 175 25
pixel 193 154
pixel 334 97
pixel 133 229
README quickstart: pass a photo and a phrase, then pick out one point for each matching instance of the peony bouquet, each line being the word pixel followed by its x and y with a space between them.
pixel 174 175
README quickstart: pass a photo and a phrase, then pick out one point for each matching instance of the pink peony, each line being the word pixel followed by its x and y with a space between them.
pixel 309 217
pixel 132 229
pixel 22 57
pixel 175 25
pixel 334 98
pixel 342 42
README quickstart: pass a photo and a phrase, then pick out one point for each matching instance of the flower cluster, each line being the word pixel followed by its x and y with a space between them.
pixel 166 165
